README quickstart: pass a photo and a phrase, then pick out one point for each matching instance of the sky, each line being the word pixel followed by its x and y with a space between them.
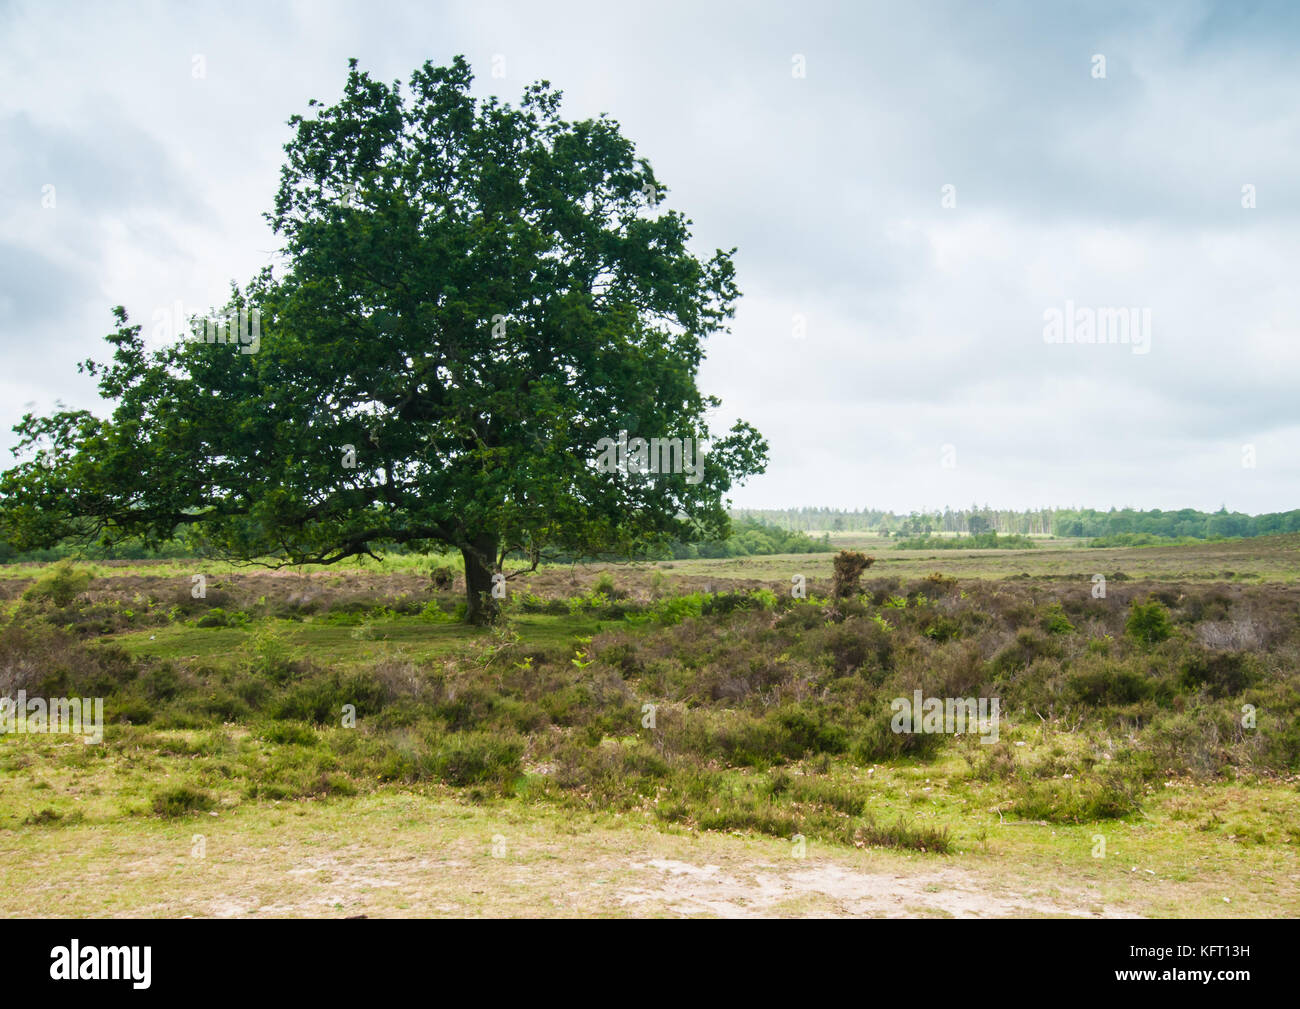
pixel 929 201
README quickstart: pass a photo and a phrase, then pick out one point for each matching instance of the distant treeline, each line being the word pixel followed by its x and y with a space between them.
pixel 749 537
pixel 128 551
pixel 1087 522
pixel 752 537
pixel 1145 540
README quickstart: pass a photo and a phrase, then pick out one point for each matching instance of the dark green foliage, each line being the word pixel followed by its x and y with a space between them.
pixel 848 568
pixel 1107 686
pixel 218 617
pixel 749 537
pixel 857 645
pixel 907 836
pixel 319 698
pixel 875 741
pixel 1149 623
pixel 1223 674
pixel 474 758
pixel 1055 621
pixel 161 683
pixel 807 729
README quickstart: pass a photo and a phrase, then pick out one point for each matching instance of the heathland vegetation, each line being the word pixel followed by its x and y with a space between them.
pixel 974 541
pixel 668 696
pixel 768 709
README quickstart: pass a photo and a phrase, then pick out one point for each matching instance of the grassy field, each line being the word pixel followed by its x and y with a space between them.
pixel 672 739
pixel 1271 559
pixel 1266 559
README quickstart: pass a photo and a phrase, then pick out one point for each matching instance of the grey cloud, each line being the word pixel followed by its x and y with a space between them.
pixel 924 324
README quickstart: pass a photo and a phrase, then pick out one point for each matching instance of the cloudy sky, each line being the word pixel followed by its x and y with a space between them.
pixel 891 338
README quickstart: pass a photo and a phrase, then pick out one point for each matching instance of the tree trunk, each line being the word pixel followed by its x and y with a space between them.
pixel 479 561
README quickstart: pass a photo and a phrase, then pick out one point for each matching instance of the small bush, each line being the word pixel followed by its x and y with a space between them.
pixel 60 586
pixel 268 654
pixel 1030 644
pixel 997 762
pixel 1055 621
pixel 434 612
pixel 161 684
pixel 623 657
pixel 1223 674
pixel 849 565
pixel 320 698
pixel 477 757
pixel 1107 685
pixel 810 729
pixel 181 801
pixel 904 835
pixel 218 617
pixel 1149 623
pixel 674 609
pixel 289 733
pixel 729 602
pixel 1071 801
pixel 134 710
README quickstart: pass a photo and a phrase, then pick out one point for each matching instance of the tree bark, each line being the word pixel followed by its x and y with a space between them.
pixel 480 559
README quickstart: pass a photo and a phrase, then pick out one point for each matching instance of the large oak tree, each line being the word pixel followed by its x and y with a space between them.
pixel 472 295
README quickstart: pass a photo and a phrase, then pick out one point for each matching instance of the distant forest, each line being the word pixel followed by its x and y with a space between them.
pixel 1187 523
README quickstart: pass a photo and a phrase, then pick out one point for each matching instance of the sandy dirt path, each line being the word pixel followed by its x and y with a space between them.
pixel 408 856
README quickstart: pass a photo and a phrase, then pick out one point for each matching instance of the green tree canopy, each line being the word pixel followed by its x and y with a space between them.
pixel 472 295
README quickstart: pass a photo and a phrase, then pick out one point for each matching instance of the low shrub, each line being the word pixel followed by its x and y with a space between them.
pixel 1072 801
pixel 182 800
pixel 1148 623
pixel 60 585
